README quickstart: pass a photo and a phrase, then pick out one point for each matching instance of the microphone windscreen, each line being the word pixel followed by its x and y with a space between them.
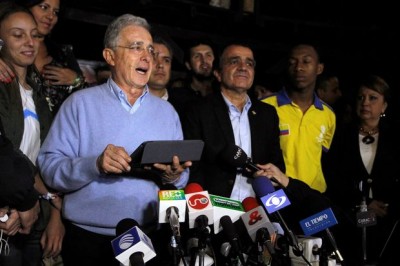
pixel 124 225
pixel 136 259
pixel 193 188
pixel 249 203
pixel 201 221
pixel 262 186
pixel 234 156
pixel 228 227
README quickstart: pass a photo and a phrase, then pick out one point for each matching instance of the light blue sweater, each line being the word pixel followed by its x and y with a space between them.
pixel 87 122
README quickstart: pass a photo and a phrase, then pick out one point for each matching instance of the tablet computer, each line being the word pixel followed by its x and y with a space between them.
pixel 162 151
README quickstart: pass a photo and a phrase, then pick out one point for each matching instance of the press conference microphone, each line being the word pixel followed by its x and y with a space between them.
pixel 257 223
pixel 321 219
pixel 255 218
pixel 232 236
pixel 131 246
pixel 262 186
pixel 237 157
pixel 173 218
pixel 172 208
pixel 199 206
pixel 223 206
pixel 200 214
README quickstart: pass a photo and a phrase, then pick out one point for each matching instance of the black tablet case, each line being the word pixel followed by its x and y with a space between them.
pixel 151 152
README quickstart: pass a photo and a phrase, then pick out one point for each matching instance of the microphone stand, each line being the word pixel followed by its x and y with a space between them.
pixel 290 236
pixel 363 208
pixel 388 239
pixel 202 245
pixel 204 234
pixel 173 218
pixel 174 246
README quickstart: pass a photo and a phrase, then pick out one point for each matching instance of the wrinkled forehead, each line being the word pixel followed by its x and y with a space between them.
pixel 237 51
pixel 134 33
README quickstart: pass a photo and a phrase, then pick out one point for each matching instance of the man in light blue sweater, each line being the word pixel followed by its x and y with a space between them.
pixel 86 154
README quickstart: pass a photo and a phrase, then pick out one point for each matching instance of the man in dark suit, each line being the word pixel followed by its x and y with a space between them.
pixel 230 117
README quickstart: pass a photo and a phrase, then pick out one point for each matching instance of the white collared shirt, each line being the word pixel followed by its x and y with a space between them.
pixel 241 130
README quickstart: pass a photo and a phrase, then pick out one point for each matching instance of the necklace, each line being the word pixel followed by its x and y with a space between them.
pixel 368 139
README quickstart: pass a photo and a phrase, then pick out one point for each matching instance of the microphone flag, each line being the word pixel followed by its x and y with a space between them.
pixel 275 201
pixel 225 206
pixel 133 240
pixel 318 222
pixel 171 198
pixel 199 203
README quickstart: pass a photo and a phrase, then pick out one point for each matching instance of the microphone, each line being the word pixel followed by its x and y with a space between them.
pixel 199 206
pixel 365 217
pixel 259 227
pixel 319 222
pixel 197 259
pixel 223 206
pixel 200 213
pixel 263 188
pixel 255 218
pixel 132 247
pixel 237 157
pixel 232 236
pixel 172 209
pixel 323 220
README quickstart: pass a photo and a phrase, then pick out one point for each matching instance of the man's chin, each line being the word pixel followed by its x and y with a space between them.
pixel 203 76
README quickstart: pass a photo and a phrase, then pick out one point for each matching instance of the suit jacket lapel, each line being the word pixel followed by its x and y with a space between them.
pixel 255 130
pixel 222 114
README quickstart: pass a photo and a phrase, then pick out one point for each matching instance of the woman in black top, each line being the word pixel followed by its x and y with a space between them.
pixel 56 69
pixel 366 158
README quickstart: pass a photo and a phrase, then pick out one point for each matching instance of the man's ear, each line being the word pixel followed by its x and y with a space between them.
pixel 108 55
pixel 320 68
pixel 217 75
pixel 188 66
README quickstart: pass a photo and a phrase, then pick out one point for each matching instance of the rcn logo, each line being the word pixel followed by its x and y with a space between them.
pixel 275 201
pixel 126 241
pixel 198 201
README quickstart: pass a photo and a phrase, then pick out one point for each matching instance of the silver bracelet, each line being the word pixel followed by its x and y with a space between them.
pixel 49 196
pixel 4 218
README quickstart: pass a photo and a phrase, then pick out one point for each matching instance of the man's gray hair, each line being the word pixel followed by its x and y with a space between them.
pixel 117 25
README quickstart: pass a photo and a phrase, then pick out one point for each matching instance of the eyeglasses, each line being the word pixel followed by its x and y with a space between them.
pixel 138 48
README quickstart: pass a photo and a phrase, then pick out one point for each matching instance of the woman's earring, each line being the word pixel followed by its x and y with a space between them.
pixel 382 115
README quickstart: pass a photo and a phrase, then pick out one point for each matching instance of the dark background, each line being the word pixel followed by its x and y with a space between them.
pixel 355 37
